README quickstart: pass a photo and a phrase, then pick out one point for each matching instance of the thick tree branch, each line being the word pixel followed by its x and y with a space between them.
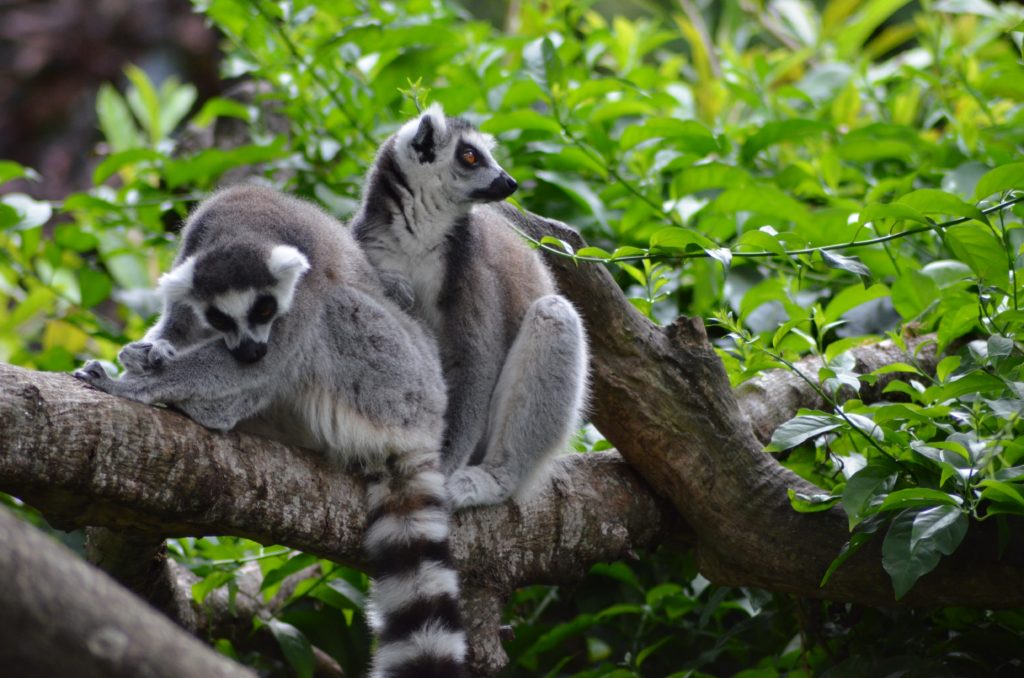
pixel 62 617
pixel 662 397
pixel 85 458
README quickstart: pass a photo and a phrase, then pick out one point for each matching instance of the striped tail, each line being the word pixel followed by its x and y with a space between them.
pixel 414 604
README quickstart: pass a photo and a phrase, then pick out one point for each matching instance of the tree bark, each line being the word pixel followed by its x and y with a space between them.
pixel 662 397
pixel 62 617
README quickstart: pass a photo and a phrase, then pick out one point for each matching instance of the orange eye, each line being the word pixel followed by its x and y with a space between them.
pixel 469 156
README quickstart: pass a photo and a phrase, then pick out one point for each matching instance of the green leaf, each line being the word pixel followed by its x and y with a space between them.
pixel 877 211
pixel 912 293
pixel 896 367
pixel 687 135
pixel 214 580
pixel 220 107
pixel 866 489
pixel 296 647
pixel 916 497
pixel 1000 180
pixel 578 190
pixel 946 272
pixel 116 121
pixel 974 382
pixel 32 213
pixel 857 540
pixel 811 503
pixel 72 237
pixel 870 15
pixel 801 428
pixel 291 566
pixel 543 63
pixel 208 165
pixel 956 324
pixel 10 170
pixel 1003 492
pixel 144 102
pixel 999 346
pixel 844 263
pixel 851 297
pixel 781 131
pixel 675 238
pixel 116 162
pixel 594 252
pixel 697 178
pixel 763 199
pixel 723 255
pixel 935 201
pixel 93 286
pixel 909 553
pixel 524 119
pixel 946 367
pixel 761 239
pixel 176 101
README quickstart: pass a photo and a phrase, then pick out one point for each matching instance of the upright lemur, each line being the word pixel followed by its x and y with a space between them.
pixel 274 321
pixel 513 351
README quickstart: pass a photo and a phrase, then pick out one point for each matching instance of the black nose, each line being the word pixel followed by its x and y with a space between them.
pixel 249 351
pixel 500 188
pixel 510 185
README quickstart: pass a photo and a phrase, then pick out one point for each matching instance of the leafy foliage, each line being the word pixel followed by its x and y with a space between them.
pixel 807 180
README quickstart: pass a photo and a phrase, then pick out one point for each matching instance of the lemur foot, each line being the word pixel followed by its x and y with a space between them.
pixel 474 486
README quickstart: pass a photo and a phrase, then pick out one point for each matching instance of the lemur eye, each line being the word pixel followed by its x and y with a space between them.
pixel 469 156
pixel 219 320
pixel 263 310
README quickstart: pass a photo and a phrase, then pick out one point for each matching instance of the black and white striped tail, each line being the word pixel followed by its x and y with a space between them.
pixel 414 608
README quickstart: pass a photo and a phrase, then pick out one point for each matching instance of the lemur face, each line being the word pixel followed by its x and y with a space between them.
pixel 238 293
pixel 450 155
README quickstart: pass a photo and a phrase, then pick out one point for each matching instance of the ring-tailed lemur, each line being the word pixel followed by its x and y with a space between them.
pixel 514 352
pixel 274 321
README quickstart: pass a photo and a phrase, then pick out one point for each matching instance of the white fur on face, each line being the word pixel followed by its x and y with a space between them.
pixel 236 304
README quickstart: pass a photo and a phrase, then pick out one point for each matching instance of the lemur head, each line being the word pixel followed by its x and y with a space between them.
pixel 451 156
pixel 238 292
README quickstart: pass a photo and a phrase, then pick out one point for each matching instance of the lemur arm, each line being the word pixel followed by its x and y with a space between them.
pixel 205 382
pixel 469 398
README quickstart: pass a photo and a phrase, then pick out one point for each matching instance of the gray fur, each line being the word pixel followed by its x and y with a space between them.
pixel 338 368
pixel 513 351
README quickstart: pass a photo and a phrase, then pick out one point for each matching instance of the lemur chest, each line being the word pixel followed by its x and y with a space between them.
pixel 426 273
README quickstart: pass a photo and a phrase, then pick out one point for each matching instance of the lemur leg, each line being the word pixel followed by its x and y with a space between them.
pixel 535 406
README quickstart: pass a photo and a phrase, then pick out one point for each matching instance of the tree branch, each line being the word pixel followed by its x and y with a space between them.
pixel 63 617
pixel 86 458
pixel 662 397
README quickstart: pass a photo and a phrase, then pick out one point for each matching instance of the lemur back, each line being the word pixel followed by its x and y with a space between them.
pixel 513 351
pixel 274 321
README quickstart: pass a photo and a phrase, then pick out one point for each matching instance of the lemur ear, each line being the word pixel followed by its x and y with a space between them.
pixel 430 128
pixel 287 263
pixel 176 284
